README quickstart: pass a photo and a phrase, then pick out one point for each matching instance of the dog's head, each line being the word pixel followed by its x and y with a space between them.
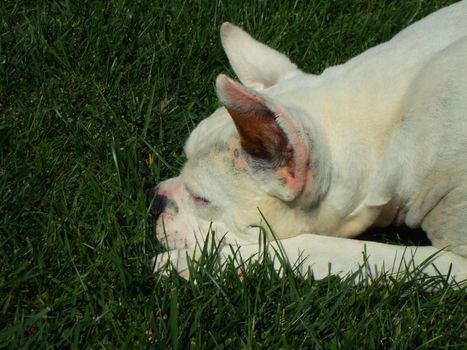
pixel 252 155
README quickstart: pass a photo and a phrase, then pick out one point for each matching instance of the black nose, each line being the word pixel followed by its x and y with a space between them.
pixel 155 202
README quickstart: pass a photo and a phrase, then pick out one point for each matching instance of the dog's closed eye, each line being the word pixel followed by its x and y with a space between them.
pixel 200 200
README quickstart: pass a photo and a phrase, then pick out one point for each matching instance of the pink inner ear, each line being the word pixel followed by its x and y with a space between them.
pixel 261 135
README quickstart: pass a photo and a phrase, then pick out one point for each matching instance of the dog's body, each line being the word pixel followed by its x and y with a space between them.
pixel 380 139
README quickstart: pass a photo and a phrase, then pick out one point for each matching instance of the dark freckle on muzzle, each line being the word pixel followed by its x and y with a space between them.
pixel 158 203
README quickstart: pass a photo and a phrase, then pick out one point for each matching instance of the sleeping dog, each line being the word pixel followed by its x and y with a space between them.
pixel 379 140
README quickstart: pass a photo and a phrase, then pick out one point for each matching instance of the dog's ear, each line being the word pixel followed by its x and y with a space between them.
pixel 274 142
pixel 256 65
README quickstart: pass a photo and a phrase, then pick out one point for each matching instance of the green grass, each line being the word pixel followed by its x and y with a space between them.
pixel 90 92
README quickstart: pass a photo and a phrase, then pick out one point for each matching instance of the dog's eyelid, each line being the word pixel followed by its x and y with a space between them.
pixel 193 194
pixel 199 199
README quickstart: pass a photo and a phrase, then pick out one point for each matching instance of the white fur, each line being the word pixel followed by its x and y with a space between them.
pixel 257 65
pixel 388 135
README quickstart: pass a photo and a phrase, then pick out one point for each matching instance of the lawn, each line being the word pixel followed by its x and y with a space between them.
pixel 96 100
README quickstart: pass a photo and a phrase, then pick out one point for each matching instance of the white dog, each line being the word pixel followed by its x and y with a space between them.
pixel 380 139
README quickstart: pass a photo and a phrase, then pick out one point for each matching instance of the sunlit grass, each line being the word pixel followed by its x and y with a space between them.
pixel 96 99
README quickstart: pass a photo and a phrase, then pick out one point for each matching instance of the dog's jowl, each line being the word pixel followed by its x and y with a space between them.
pixel 379 140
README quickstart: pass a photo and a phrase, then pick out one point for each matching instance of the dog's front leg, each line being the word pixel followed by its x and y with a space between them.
pixel 323 256
pixel 177 258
